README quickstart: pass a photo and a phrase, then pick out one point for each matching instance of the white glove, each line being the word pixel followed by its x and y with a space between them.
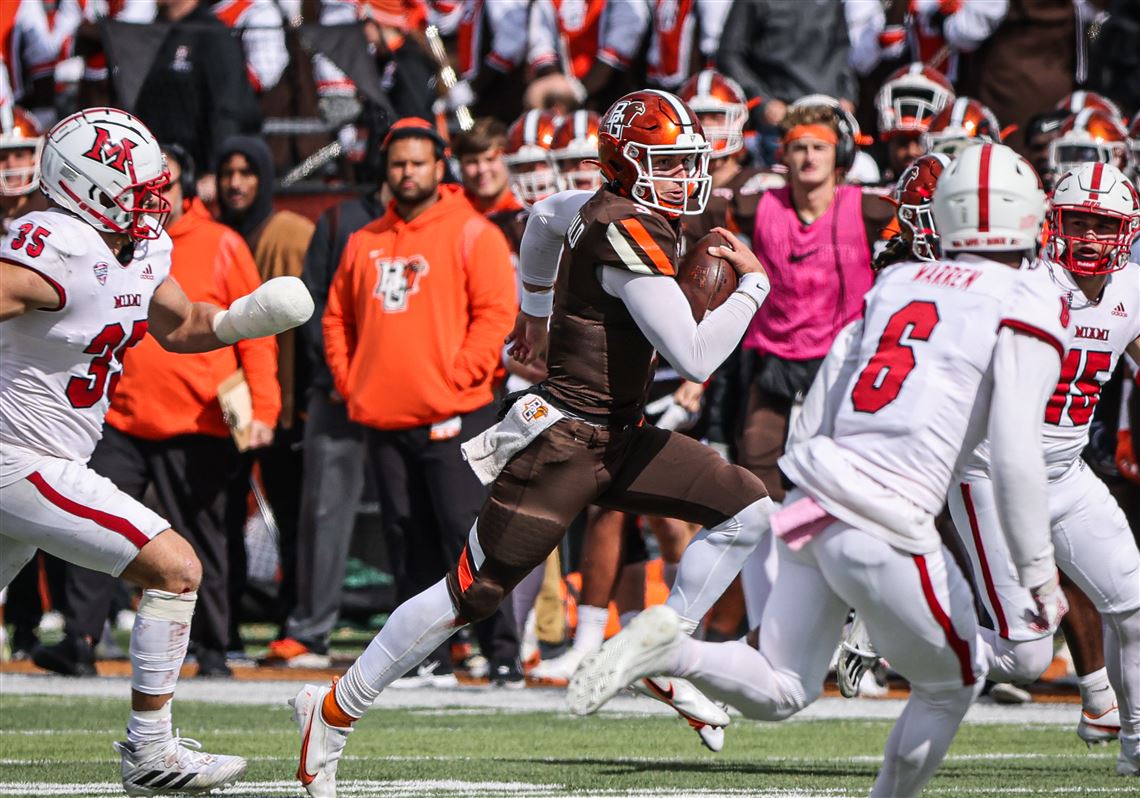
pixel 1051 606
pixel 460 94
pixel 277 305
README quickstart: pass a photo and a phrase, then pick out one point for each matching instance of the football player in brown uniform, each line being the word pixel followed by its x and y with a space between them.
pixel 578 438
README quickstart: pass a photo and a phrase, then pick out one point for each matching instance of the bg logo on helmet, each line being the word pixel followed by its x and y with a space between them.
pixel 117 156
pixel 615 122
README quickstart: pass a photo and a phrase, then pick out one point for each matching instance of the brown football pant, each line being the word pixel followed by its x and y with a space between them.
pixel 642 470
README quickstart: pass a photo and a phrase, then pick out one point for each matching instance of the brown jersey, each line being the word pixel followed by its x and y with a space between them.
pixel 732 206
pixel 600 363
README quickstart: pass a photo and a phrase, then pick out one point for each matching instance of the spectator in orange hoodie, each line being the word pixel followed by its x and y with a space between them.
pixel 414 327
pixel 165 428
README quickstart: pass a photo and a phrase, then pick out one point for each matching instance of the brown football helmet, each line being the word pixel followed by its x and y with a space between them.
pixel 575 151
pixel 21 142
pixel 528 158
pixel 960 124
pixel 1080 100
pixel 652 148
pixel 1092 135
pixel 914 194
pixel 910 99
pixel 720 104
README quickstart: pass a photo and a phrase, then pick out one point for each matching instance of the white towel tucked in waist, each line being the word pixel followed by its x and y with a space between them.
pixel 489 452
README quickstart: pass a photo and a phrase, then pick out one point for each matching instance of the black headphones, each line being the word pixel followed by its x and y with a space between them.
pixel 188 181
pixel 845 147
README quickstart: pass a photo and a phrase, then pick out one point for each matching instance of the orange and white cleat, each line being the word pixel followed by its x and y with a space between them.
pixel 1098 729
pixel 707 717
pixel 321 744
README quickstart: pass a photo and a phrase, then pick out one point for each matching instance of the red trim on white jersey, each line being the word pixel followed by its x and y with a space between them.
pixel 58 288
pixel 1036 332
pixel 114 523
pixel 959 646
pixel 983 561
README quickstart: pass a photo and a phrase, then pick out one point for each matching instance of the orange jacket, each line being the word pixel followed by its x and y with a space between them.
pixel 163 394
pixel 417 313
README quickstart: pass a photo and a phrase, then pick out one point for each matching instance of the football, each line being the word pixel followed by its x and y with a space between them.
pixel 706 281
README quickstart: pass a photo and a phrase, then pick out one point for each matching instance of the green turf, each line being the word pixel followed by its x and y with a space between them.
pixel 68 740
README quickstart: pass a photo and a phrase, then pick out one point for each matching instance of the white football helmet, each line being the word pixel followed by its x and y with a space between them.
pixel 19 132
pixel 989 199
pixel 1103 190
pixel 105 166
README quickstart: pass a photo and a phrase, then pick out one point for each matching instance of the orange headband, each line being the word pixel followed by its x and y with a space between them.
pixel 816 131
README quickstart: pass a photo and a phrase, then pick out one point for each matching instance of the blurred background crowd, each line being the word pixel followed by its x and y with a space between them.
pixel 328 490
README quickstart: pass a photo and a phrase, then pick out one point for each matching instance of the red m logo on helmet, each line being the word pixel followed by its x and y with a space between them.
pixel 117 156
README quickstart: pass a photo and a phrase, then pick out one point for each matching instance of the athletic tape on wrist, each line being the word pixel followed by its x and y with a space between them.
pixel 537 303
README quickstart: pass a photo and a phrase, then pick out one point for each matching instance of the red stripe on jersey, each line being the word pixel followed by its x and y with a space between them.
pixel 983 560
pixel 959 646
pixel 661 262
pixel 114 523
pixel 58 288
pixel 1036 332
pixel 984 190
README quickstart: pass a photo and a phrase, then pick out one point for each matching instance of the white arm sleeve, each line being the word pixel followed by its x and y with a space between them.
pixel 1025 371
pixel 817 415
pixel 546 226
pixel 663 315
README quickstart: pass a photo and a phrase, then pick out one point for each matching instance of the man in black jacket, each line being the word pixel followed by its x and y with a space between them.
pixel 196 93
pixel 333 473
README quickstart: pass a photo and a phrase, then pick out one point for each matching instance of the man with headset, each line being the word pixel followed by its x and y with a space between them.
pixel 814 236
pixel 165 428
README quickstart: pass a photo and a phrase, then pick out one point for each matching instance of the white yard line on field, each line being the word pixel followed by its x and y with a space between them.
pixel 550 700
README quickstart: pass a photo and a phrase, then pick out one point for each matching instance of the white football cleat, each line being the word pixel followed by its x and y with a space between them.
pixel 644 648
pixel 561 668
pixel 707 717
pixel 321 744
pixel 176 767
pixel 857 657
pixel 1097 729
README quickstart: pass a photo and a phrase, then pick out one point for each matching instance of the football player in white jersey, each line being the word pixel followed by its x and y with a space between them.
pixel 1093 217
pixel 80 284
pixel 859 530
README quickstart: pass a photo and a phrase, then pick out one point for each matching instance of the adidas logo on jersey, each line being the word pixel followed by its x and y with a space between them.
pixel 1120 311
pixel 147 273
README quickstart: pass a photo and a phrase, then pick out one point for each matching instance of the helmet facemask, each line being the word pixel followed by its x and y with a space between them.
pixel 1066 155
pixel 530 182
pixel 16 181
pixel 139 211
pixel 690 152
pixel 918 223
pixel 723 125
pixel 1113 247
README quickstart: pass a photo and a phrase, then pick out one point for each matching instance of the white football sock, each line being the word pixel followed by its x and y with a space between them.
pixel 1097 695
pixel 159 639
pixel 146 727
pixel 591 632
pixel 920 739
pixel 414 630
pixel 1122 660
pixel 713 559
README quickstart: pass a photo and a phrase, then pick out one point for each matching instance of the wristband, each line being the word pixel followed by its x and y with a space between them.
pixel 537 303
pixel 755 286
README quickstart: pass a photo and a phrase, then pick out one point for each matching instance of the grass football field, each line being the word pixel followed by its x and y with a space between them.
pixel 55 740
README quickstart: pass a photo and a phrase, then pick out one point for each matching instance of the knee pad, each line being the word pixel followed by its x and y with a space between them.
pixel 479 601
